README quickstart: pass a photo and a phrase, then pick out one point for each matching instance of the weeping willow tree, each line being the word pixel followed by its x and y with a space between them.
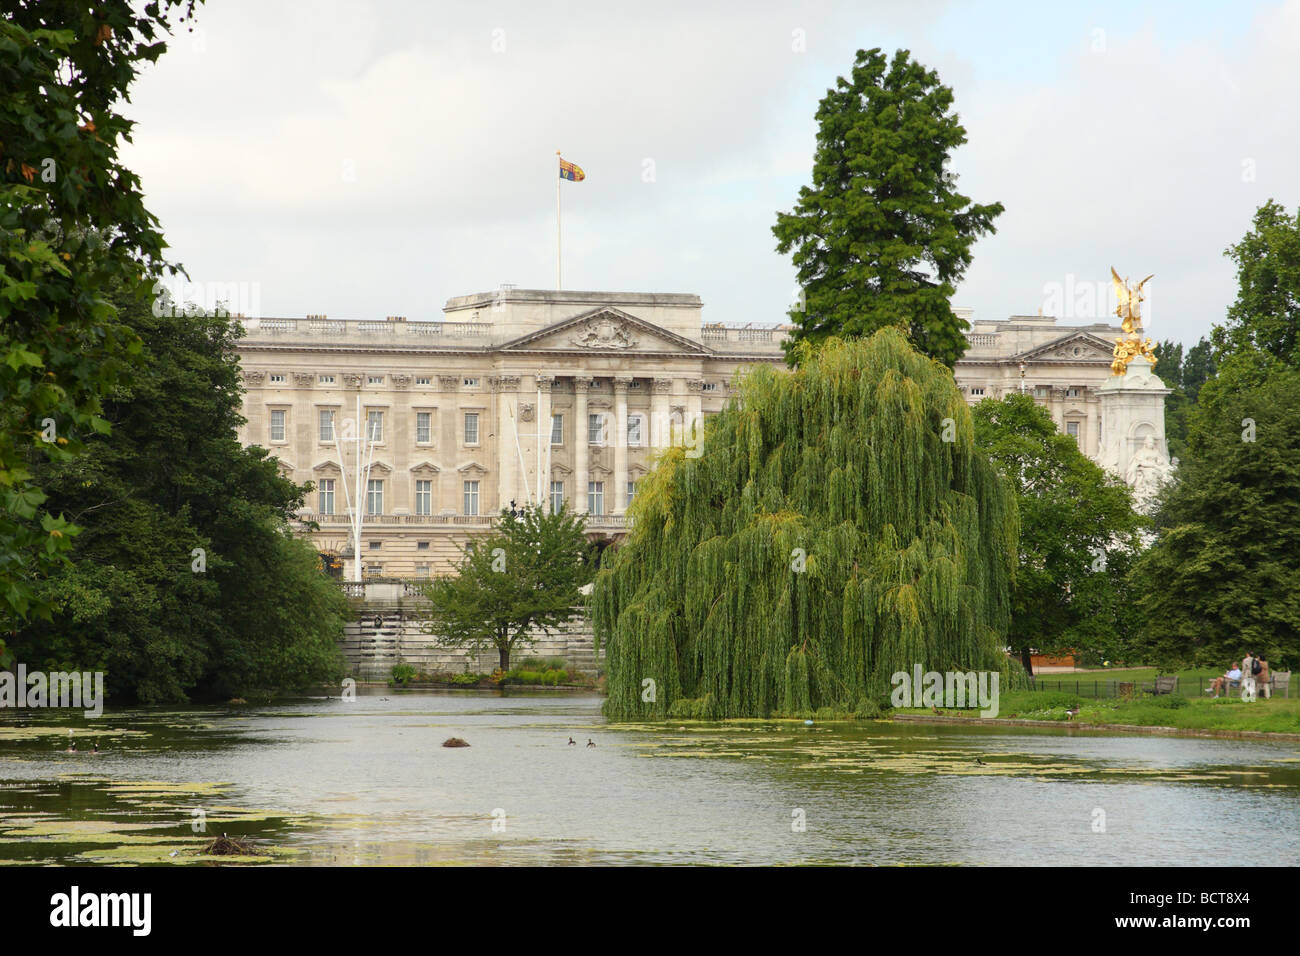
pixel 837 527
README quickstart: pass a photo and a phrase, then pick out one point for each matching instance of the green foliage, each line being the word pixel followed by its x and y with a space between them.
pixel 1224 574
pixel 826 537
pixel 1184 375
pixel 513 585
pixel 72 224
pixel 1078 533
pixel 250 607
pixel 1266 314
pixel 542 664
pixel 882 237
pixel 550 677
pixel 403 674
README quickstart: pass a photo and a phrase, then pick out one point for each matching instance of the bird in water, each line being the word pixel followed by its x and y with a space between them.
pixel 572 741
pixel 94 748
pixel 590 742
pixel 72 746
pixel 1072 713
pixel 980 762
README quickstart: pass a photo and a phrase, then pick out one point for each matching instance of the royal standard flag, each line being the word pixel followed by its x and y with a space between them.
pixel 571 172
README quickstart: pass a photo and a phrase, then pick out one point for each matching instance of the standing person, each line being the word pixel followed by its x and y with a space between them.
pixel 1265 676
pixel 1248 668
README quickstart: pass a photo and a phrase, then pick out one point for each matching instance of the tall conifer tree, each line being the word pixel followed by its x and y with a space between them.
pixel 882 236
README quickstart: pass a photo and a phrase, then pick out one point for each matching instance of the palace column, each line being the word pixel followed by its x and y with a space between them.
pixel 621 383
pixel 544 383
pixel 507 456
pixel 581 382
pixel 693 427
pixel 660 432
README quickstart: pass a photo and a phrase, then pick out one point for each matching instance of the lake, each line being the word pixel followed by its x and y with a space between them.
pixel 332 782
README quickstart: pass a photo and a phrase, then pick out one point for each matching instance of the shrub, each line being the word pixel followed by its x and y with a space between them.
pixel 1166 701
pixel 403 674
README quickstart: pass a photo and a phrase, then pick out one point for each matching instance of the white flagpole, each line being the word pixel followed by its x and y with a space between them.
pixel 558 286
pixel 538 414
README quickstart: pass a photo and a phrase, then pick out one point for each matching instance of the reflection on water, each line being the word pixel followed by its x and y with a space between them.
pixel 335 782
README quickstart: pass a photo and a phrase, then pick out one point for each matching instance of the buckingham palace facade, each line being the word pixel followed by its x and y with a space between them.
pixel 430 428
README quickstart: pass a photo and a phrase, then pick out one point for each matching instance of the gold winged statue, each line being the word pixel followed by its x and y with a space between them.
pixel 1129 312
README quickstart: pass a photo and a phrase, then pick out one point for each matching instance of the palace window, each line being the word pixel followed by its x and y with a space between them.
pixel 1072 429
pixel 631 491
pixel 595 429
pixel 376 545
pixel 421 546
pixel 375 426
pixel 374 380
pixel 326 502
pixel 326 424
pixel 471 428
pixel 634 430
pixel 375 496
pixel 977 390
pixel 469 383
pixel 276 378
pixel 421 570
pixel 424 497
pixel 557 497
pixel 423 380
pixel 325 380
pixel 471 497
pixel 424 427
pixel 277 424
pixel 709 387
pixel 596 497
pixel 557 429
pixel 1074 393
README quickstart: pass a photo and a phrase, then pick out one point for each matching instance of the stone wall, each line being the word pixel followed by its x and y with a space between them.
pixel 388 630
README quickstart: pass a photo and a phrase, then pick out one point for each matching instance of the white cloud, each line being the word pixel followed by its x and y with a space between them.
pixel 1131 157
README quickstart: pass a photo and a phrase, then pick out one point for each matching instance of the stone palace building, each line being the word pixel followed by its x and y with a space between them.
pixel 430 428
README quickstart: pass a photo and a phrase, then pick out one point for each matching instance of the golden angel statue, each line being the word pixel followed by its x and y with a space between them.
pixel 1129 312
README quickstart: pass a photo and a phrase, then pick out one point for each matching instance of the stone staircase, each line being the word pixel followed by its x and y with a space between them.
pixel 389 630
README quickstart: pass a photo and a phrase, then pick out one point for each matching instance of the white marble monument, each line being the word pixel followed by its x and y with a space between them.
pixel 1133 444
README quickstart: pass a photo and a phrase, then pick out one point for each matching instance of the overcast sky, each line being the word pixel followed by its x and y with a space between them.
pixel 365 158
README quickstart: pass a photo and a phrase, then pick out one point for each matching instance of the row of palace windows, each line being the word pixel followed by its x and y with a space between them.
pixel 328 498
pixel 1039 391
pixel 598 427
pixel 279 378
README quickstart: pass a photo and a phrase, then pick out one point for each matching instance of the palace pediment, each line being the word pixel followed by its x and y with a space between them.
pixel 1076 347
pixel 605 331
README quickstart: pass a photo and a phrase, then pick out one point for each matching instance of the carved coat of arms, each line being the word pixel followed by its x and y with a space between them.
pixel 605 334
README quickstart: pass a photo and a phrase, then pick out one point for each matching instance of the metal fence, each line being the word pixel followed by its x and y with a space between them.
pixel 1099 688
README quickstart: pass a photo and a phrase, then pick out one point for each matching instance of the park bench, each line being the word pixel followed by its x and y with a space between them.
pixel 1166 685
pixel 1280 683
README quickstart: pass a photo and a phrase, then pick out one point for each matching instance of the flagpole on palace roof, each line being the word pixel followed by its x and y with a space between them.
pixel 558 286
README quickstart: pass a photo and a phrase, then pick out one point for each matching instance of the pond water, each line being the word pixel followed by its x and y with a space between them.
pixel 329 782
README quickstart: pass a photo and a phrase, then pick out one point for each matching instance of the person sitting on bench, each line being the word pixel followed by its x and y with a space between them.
pixel 1231 679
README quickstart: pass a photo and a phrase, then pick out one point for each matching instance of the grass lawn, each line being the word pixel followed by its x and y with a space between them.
pixel 1143 710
